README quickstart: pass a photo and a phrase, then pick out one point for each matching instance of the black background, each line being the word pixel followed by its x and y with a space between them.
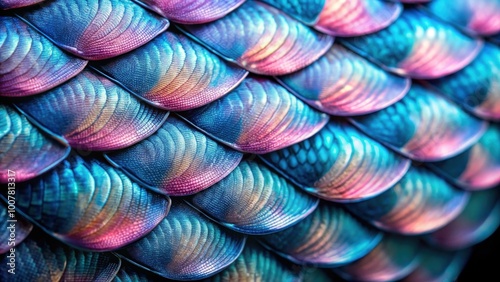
pixel 484 261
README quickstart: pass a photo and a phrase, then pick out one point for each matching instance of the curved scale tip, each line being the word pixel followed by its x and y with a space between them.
pixel 356 17
pixel 176 160
pixel 423 126
pixel 480 17
pixel 98 29
pixel 427 48
pixel 253 200
pixel 393 258
pixel 479 219
pixel 258 116
pixel 324 238
pixel 26 152
pixel 192 11
pixel 340 164
pixel 477 168
pixel 253 37
pixel 426 201
pixel 29 63
pixel 342 83
pixel 185 246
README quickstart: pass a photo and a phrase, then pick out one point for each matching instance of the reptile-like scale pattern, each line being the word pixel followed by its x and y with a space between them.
pixel 245 140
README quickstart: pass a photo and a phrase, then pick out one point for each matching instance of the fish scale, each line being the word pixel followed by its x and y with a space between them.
pixel 134 226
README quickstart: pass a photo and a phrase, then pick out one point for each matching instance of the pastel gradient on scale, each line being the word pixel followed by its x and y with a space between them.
pixel 253 37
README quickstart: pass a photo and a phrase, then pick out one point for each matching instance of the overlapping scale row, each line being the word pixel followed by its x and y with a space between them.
pixel 343 83
pixel 92 113
pixel 257 264
pixel 186 246
pixel 13 228
pixel 30 63
pixel 90 205
pixel 262 39
pixel 477 168
pixel 340 164
pixel 140 71
pixel 259 116
pixel 342 18
pixel 479 219
pixel 420 202
pixel 392 259
pixel 477 86
pixel 40 258
pixel 254 200
pixel 480 17
pixel 423 126
pixel 12 4
pixel 174 73
pixel 418 46
pixel 25 152
pixel 96 29
pixel 328 237
pixel 437 265
pixel 192 11
pixel 177 160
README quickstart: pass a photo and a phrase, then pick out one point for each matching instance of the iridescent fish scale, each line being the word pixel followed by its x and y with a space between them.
pixel 91 266
pixel 356 17
pixel 131 273
pixel 139 71
pixel 341 18
pixel 93 113
pixel 477 86
pixel 193 11
pixel 328 237
pixel 96 29
pixel 43 259
pixel 423 126
pixel 90 205
pixel 479 219
pixel 12 4
pixel 420 202
pixel 259 116
pixel 477 16
pixel 477 168
pixel 177 160
pixel 392 259
pixel 257 264
pixel 343 83
pixel 437 265
pixel 24 149
pixel 12 236
pixel 39 260
pixel 418 46
pixel 30 63
pixel 186 246
pixel 254 200
pixel 174 73
pixel 306 11
pixel 340 164
pixel 262 40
